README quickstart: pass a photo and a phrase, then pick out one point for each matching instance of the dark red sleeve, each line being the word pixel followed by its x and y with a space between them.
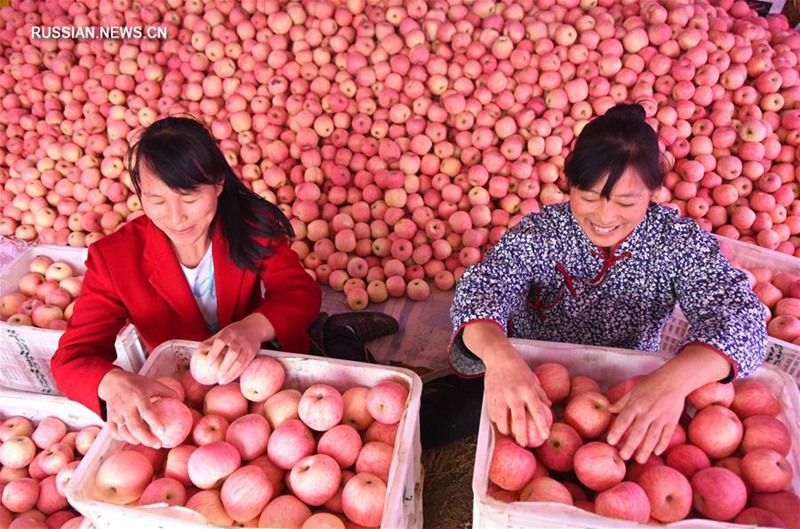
pixel 292 299
pixel 86 350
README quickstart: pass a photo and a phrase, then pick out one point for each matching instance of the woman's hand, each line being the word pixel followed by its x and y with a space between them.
pixel 511 388
pixel 238 343
pixel 128 406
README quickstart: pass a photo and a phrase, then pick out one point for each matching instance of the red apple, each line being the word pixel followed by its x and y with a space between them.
pixel 315 479
pixel 785 504
pixel 719 494
pixel 363 499
pixel 164 490
pixel 599 466
pixel 226 401
pixel 342 443
pixel 716 430
pixel 284 511
pixel 321 407
pixel 545 489
pixel 687 459
pixel 263 378
pixel 281 407
pixel 176 420
pixel 753 398
pixel 210 464
pixel 554 379
pixel 512 466
pixel 669 492
pixel 624 501
pixel 245 493
pixel 764 431
pixel 753 516
pixel 356 413
pixel 765 470
pixel 558 452
pixel 209 429
pixel 713 393
pixel 289 443
pixel 588 414
pixel 386 401
pixel 123 476
pixel 209 504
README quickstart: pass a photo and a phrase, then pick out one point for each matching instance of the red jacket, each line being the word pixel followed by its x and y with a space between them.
pixel 134 275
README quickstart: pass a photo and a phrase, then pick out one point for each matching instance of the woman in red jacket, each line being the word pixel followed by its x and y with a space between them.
pixel 192 267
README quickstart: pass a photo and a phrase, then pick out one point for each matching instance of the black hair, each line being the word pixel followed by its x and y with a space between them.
pixel 610 144
pixel 181 152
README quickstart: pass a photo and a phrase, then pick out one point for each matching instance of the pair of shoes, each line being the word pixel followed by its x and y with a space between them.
pixel 367 326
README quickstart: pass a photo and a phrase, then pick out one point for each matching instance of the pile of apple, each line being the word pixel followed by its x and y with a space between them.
pixel 401 138
pixel 726 461
pixel 46 295
pixel 253 452
pixel 38 461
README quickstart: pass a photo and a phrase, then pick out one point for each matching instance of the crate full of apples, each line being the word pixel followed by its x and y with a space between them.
pixel 732 460
pixel 42 440
pixel 296 440
pixel 39 289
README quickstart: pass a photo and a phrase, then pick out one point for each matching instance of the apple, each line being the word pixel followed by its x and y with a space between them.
pixel 164 490
pixel 64 476
pixel 20 495
pixel 615 392
pixel 290 442
pixel 210 464
pixel 321 407
pixel 713 393
pixel 355 411
pixel 72 285
pixel 343 443
pixel 753 398
pixel 558 451
pixel 636 469
pixel 599 466
pixel 386 401
pixel 85 438
pixel 17 452
pixel 766 470
pixel 40 264
pixel 262 378
pixel 176 420
pixel 209 504
pixel 785 504
pixel 512 466
pixel 226 401
pixel 43 315
pixel 281 407
pixel 209 429
pixel 58 271
pixel 245 493
pixel 249 434
pixel 50 500
pixel 30 282
pixel 753 516
pixel 554 379
pixel 55 458
pixel 177 463
pixel 582 384
pixel 123 476
pixel 375 458
pixel 687 459
pixel 195 391
pixel 363 499
pixel 668 491
pixel 385 433
pixel 10 303
pixel 716 430
pixel 624 501
pixel 15 426
pixel 588 414
pixel 719 494
pixel 175 385
pixel 764 431
pixel 315 479
pixel 545 489
pixel 203 371
pixel 284 511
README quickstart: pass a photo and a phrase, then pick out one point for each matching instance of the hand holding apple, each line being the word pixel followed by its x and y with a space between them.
pixel 238 344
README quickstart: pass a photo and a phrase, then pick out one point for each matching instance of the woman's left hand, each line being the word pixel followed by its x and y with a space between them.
pixel 238 343
pixel 648 413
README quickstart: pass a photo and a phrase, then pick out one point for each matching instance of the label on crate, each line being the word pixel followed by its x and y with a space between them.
pixel 25 366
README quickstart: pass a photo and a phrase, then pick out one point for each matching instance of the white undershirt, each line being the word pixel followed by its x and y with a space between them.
pixel 203 286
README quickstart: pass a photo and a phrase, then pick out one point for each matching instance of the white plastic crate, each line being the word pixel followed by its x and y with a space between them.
pixel 608 366
pixel 25 352
pixel 403 505
pixel 782 354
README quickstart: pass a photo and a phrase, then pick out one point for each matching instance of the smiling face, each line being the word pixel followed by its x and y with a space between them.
pixel 607 221
pixel 185 217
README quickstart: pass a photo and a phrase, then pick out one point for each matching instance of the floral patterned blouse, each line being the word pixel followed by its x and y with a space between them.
pixel 545 280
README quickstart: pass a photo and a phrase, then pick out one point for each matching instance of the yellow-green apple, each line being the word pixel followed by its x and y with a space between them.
pixel 164 490
pixel 315 479
pixel 624 501
pixel 512 466
pixel 668 491
pixel 58 270
pixel 588 414
pixel 43 315
pixel 202 369
pixel 262 378
pixel 209 429
pixel 363 499
pixel 123 476
pixel 50 500
pixel 545 489
pixel 753 398
pixel 245 493
pixel 386 401
pixel 20 495
pixel 554 379
pixel 210 464
pixel 765 470
pixel 175 385
pixel 582 384
pixel 55 457
pixel 599 466
pixel 177 464
pixel 15 426
pixel 375 458
pixel 713 393
pixel 558 452
pixel 343 443
pixel 355 412
pixel 753 516
pixel 719 494
pixel 10 303
pixel 209 504
pixel 226 401
pixel 385 433
pixel 282 407
pixel 39 264
pixel 321 407
pixel 784 504
pixel 17 452
pixel 30 282
pixel 716 430
pixel 284 511
pixel 289 443
pixel 85 438
pixel 176 420
pixel 250 435
pixel 765 431
pixel 687 459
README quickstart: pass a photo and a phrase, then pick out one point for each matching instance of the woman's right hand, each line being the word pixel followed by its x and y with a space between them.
pixel 129 407
pixel 515 398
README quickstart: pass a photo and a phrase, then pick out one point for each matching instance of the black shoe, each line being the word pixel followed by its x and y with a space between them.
pixel 367 326
pixel 315 334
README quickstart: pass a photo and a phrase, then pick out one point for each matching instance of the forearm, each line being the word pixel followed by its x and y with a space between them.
pixel 488 341
pixel 693 367
pixel 259 327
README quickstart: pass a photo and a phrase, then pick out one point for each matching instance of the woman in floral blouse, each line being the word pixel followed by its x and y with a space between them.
pixel 607 268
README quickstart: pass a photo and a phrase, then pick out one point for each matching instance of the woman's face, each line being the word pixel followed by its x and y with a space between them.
pixel 184 217
pixel 606 222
